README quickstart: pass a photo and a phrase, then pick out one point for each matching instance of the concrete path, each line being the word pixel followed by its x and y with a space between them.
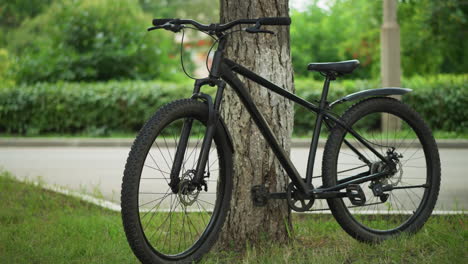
pixel 98 170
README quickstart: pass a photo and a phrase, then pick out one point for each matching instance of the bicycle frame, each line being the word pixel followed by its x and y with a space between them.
pixel 225 69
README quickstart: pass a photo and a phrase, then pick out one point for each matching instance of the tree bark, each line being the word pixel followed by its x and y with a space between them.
pixel 254 161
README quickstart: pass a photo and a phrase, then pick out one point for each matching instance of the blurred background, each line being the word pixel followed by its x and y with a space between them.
pixel 79 78
pixel 89 68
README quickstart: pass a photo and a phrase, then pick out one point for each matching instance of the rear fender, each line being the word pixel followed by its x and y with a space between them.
pixel 371 92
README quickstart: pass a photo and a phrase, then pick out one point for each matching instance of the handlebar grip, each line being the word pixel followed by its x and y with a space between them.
pixel 285 21
pixel 161 21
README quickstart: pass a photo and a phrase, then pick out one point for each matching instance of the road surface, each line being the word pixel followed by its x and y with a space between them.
pixel 98 170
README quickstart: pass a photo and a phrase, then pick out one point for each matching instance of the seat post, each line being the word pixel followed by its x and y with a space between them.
pixel 326 85
pixel 318 126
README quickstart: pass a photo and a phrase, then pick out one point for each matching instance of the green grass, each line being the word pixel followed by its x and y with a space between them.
pixel 319 239
pixel 450 135
pixel 39 226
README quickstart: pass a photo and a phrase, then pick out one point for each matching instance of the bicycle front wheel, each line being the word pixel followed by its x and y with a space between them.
pixel 175 225
pixel 410 192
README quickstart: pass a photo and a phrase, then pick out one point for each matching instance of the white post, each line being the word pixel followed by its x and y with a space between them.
pixel 390 57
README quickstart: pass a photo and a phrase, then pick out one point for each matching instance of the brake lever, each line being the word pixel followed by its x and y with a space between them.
pixel 154 28
pixel 168 26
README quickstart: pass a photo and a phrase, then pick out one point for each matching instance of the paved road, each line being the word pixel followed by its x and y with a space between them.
pixel 99 169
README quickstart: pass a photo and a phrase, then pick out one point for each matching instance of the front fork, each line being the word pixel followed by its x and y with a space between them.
pixel 213 116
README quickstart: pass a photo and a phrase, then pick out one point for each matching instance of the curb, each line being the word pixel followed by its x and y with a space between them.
pixel 116 207
pixel 127 142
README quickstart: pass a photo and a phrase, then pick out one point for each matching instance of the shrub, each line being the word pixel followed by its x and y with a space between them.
pixel 5 64
pixel 94 108
pixel 442 100
pixel 100 108
pixel 91 40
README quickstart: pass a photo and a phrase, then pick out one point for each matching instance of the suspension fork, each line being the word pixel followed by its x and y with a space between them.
pixel 213 117
pixel 180 153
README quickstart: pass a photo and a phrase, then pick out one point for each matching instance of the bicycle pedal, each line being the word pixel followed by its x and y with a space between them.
pixel 355 194
pixel 259 195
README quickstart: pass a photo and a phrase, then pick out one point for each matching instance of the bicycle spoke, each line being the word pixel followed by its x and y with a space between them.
pixel 395 211
pixel 173 222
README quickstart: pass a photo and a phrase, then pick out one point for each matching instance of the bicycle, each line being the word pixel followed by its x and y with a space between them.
pixel 177 181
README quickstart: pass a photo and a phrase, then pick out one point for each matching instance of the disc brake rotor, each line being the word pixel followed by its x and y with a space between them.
pixel 187 194
pixel 396 178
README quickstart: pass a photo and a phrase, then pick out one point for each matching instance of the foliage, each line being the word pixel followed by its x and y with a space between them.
pixel 91 40
pixel 441 99
pixel 433 36
pixel 319 35
pixel 12 13
pixel 102 108
pixel 71 40
pixel 5 62
pixel 95 108
pixel 206 11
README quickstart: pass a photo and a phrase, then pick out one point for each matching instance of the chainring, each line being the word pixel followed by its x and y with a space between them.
pixel 293 196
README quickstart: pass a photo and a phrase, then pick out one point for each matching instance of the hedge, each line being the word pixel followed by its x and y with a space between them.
pixel 101 108
pixel 442 100
pixel 90 108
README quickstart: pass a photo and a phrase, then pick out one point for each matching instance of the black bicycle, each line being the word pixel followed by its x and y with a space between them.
pixel 177 182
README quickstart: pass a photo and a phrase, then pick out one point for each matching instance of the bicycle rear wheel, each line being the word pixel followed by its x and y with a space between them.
pixel 412 190
pixel 164 225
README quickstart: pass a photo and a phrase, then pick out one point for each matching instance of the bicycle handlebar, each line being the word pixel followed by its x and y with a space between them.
pixel 160 22
pixel 273 21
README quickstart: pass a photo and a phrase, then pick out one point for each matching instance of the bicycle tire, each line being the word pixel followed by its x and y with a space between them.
pixel 147 249
pixel 359 224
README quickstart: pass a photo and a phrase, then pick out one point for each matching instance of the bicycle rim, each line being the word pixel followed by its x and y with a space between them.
pixel 394 212
pixel 177 224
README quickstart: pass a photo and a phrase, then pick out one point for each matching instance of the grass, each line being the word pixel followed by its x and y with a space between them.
pixel 39 226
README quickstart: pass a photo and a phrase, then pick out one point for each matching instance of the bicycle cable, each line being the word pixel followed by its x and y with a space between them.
pixel 181 50
pixel 209 51
pixel 182 55
pixel 212 46
pixel 208 55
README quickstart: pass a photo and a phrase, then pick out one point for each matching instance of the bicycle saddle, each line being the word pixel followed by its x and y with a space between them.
pixel 341 67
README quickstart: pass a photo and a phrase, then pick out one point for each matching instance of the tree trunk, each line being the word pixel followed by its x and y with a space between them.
pixel 254 161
